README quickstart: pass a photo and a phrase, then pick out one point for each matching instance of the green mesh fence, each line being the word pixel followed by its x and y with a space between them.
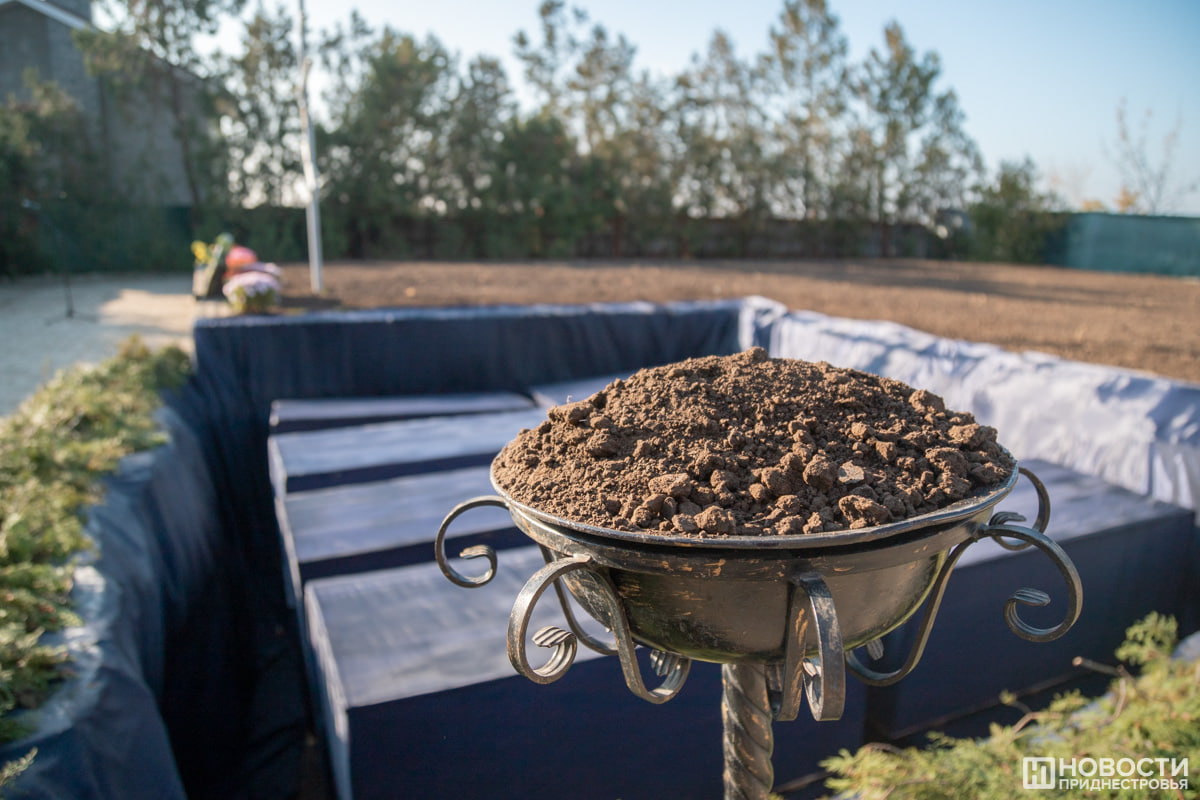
pixel 1126 243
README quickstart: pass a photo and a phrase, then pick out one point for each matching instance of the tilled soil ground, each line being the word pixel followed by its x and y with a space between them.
pixel 1143 322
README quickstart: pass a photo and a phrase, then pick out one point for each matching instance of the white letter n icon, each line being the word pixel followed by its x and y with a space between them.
pixel 1037 772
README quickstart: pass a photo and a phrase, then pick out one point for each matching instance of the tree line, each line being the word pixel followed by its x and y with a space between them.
pixel 415 145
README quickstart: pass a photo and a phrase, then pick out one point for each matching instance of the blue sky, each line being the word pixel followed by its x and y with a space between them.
pixel 1037 78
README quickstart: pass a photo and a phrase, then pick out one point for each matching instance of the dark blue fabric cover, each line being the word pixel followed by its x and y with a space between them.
pixel 106 732
pixel 289 416
pixel 368 526
pixel 200 683
pixel 310 460
pixel 416 351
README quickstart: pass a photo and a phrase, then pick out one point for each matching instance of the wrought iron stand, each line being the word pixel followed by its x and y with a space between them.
pixel 783 615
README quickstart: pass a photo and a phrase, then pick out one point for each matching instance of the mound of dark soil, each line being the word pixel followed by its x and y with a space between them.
pixel 750 445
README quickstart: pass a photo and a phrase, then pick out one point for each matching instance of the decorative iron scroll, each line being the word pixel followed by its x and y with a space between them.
pixel 475 551
pixel 563 642
pixel 934 601
pixel 823 678
pixel 1002 530
pixel 672 668
pixel 1036 597
pixel 1039 524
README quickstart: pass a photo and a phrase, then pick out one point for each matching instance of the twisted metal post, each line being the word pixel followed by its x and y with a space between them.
pixel 749 740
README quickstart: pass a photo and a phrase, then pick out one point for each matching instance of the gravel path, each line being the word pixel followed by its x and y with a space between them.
pixel 47 324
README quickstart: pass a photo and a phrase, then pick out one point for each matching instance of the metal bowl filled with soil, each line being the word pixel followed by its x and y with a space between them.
pixel 747 510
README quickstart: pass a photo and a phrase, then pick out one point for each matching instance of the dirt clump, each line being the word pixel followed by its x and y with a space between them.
pixel 750 445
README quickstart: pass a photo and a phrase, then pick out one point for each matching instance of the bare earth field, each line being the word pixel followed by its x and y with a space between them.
pixel 1143 322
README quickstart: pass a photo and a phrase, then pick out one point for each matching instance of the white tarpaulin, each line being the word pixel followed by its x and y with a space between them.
pixel 1130 428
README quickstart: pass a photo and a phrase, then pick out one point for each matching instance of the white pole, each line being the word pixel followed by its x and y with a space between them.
pixel 309 159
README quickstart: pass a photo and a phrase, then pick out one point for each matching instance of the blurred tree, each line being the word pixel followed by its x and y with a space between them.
pixel 546 63
pixel 599 87
pixel 909 137
pixel 18 249
pixel 793 131
pixel 45 148
pixel 481 106
pixel 263 136
pixel 46 153
pixel 385 152
pixel 619 114
pixel 1128 202
pixel 639 157
pixel 852 193
pixel 585 77
pixel 533 188
pixel 728 165
pixel 151 54
pixel 806 63
pixel 1012 219
pixel 1148 186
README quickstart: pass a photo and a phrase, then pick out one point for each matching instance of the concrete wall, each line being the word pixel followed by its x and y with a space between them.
pixel 23 44
pixel 144 152
pixel 137 134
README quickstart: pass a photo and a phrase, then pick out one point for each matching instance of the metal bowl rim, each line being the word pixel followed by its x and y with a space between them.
pixel 955 512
